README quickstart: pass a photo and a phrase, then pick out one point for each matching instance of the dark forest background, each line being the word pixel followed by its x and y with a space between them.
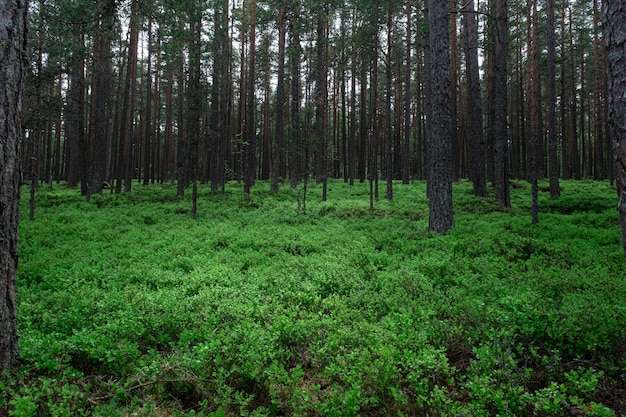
pixel 215 90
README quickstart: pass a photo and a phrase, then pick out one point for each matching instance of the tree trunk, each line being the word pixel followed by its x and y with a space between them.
pixel 457 138
pixel 296 149
pixel 182 139
pixel 76 122
pixel 219 94
pixel 500 123
pixel 249 149
pixel 534 99
pixel 279 135
pixel 614 24
pixel 406 148
pixel 13 66
pixel 440 196
pixel 148 127
pixel 573 131
pixel 194 103
pixel 388 118
pixel 555 190
pixel 102 68
pixel 474 113
pixel 126 134
pixel 321 105
pixel 352 147
pixel 599 166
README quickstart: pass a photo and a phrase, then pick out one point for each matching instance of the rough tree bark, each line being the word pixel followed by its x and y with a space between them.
pixel 614 24
pixel 12 70
pixel 440 190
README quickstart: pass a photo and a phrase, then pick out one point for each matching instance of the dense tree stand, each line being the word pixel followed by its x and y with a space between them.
pixel 12 69
pixel 615 41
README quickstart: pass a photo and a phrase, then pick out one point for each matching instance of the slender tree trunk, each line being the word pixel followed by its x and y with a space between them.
pixel 388 122
pixel 534 100
pixel 182 139
pixel 279 135
pixel 500 123
pixel 167 166
pixel 76 122
pixel 126 127
pixel 600 165
pixel 194 103
pixel 13 64
pixel 555 190
pixel 428 99
pixel 372 166
pixel 321 105
pixel 102 68
pixel 457 139
pixel 363 126
pixel 54 156
pixel 474 113
pixel 250 130
pixel 565 160
pixel 296 148
pixel 440 198
pixel 406 149
pixel 147 156
pixel 352 148
pixel 219 90
pixel 614 25
pixel 573 133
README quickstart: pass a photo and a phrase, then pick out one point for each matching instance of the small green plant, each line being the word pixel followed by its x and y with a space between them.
pixel 128 305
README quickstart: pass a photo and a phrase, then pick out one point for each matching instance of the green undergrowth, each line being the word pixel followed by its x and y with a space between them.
pixel 130 306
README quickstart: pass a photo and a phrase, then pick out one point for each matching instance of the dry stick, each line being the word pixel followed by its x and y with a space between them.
pixel 95 401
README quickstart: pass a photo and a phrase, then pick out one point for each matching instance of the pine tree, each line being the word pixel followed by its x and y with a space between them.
pixel 614 24
pixel 440 159
pixel 12 69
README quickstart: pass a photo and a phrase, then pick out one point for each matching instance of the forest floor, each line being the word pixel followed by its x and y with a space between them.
pixel 129 306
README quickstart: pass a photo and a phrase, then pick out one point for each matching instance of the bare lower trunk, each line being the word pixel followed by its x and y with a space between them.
pixel 12 69
pixel 614 28
pixel 440 159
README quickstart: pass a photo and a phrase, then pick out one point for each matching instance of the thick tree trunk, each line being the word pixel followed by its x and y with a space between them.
pixel 614 24
pixel 440 191
pixel 12 69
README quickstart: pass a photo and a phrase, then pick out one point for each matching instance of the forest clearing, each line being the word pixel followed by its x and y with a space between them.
pixel 130 306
